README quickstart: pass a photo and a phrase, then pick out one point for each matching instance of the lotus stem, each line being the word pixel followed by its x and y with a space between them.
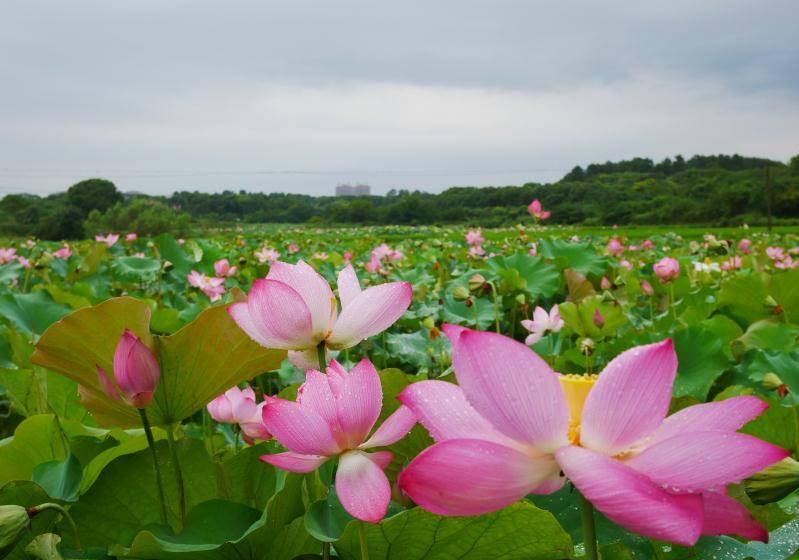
pixel 173 451
pixel 589 530
pixel 158 481
pixel 64 514
pixel 673 302
pixel 362 539
pixel 320 354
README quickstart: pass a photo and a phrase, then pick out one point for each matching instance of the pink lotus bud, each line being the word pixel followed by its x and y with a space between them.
pixel 605 283
pixel 222 268
pixel 647 244
pixel 136 371
pixel 646 288
pixel 666 269
pixel 131 237
pixel 537 211
pixel 599 320
pixel 745 246
pixel 615 247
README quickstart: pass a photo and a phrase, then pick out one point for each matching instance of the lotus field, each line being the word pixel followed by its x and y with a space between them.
pixel 407 393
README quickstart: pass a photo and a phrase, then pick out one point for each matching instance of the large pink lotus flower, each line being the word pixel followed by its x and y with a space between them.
pixel 293 308
pixel 63 253
pixel 474 237
pixel 7 255
pixel 542 323
pixel 537 211
pixel 223 269
pixel 513 424
pixel 666 269
pixel 238 406
pixel 333 417
pixel 109 239
pixel 136 372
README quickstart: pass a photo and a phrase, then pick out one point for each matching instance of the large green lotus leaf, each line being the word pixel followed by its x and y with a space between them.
pixel 245 479
pixel 746 296
pixel 784 289
pixel 171 251
pixel 27 494
pixel 60 479
pixel 135 268
pixel 523 272
pixel 36 440
pixel 38 391
pixel 701 361
pixel 31 313
pixel 581 257
pixel 770 333
pixel 784 365
pixel 520 531
pixel 200 361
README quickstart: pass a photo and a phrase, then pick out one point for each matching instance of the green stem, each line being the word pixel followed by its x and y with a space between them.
pixel 496 305
pixel 173 451
pixel 65 514
pixel 158 481
pixel 589 530
pixel 673 303
pixel 476 315
pixel 320 355
pixel 362 538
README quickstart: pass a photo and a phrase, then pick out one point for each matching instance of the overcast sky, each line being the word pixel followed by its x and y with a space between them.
pixel 298 95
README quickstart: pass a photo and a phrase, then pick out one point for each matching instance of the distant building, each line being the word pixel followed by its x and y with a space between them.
pixel 346 189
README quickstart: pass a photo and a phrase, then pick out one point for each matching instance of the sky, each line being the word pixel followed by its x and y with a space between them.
pixel 299 96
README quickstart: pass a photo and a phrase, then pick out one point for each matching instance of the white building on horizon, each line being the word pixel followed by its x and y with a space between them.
pixel 345 189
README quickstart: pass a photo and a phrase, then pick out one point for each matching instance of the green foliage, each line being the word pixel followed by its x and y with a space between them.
pixel 93 194
pixel 141 215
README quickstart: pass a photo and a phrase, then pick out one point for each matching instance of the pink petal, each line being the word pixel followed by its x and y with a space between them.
pixel 307 359
pixel 299 429
pixel 630 499
pixel 630 398
pixel 393 429
pixel 443 410
pixel 107 385
pixel 728 415
pixel 278 316
pixel 359 400
pixel 696 461
pixel 362 486
pixel 725 516
pixel 372 311
pixel 472 476
pixel 295 462
pixel 348 286
pixel 220 410
pixel 313 289
pixel 512 388
pixel 315 394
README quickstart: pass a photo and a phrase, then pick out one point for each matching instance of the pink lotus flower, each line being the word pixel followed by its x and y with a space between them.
pixel 666 269
pixel 533 251
pixel 131 237
pixel 30 243
pixel 775 253
pixel 542 323
pixel 374 264
pixel 109 239
pixel 537 211
pixel 63 253
pixel 646 288
pixel 293 308
pixel 238 406
pixel 23 261
pixel 181 241
pixel 347 257
pixel 396 255
pixel 647 245
pixel 266 255
pixel 136 372
pixel 382 251
pixel 476 252
pixel 320 256
pixel 333 417
pixel 605 284
pixel 615 247
pixel 292 248
pixel 7 255
pixel 474 237
pixel 733 263
pixel 513 424
pixel 209 285
pixel 624 263
pixel 222 268
pixel 786 263
pixel 745 246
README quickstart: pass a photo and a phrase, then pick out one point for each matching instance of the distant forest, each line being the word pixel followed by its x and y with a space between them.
pixel 711 190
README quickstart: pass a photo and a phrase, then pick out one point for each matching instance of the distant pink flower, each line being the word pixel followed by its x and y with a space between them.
pixel 786 263
pixel 139 254
pixel 222 268
pixel 476 252
pixel 374 263
pixel 238 406
pixel 181 241
pixel 775 253
pixel 136 372
pixel 537 211
pixel 332 417
pixel 646 288
pixel 381 251
pixel 605 284
pixel 293 308
pixel 131 237
pixel 23 261
pixel 109 239
pixel 615 247
pixel 196 279
pixel 516 426
pixel 542 323
pixel 292 248
pixel 63 253
pixel 666 269
pixel 321 255
pixel 209 285
pixel 267 255
pixel 624 263
pixel 347 257
pixel 396 255
pixel 745 246
pixel 474 237
pixel 647 244
pixel 733 263
pixel 7 255
pixel 30 243
pixel 633 248
pixel 533 250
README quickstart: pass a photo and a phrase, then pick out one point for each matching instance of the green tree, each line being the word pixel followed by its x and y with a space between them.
pixel 93 194
pixel 64 223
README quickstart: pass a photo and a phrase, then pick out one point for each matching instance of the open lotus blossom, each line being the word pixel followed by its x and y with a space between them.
pixel 63 253
pixel 542 323
pixel 109 239
pixel 222 268
pixel 786 263
pixel 25 263
pixel 666 269
pixel 293 308
pixel 131 237
pixel 333 417
pixel 706 266
pixel 733 263
pixel 266 255
pixel 537 211
pixel 136 372
pixel 7 255
pixel 512 425
pixel 775 253
pixel 476 252
pixel 474 237
pixel 292 248
pixel 615 247
pixel 238 406
pixel 209 285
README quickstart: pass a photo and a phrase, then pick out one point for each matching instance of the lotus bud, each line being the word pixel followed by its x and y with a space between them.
pixel 646 288
pixel 604 283
pixel 429 322
pixel 521 300
pixel 168 265
pixel 136 370
pixel 14 521
pixel 772 381
pixel 774 482
pixel 771 302
pixel 599 320
pixel 476 282
pixel 461 293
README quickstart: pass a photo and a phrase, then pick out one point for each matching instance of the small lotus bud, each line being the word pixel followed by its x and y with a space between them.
pixel 14 521
pixel 771 302
pixel 434 333
pixel 774 482
pixel 772 381
pixel 136 372
pixel 521 300
pixel 599 320
pixel 646 288
pixel 168 265
pixel 476 282
pixel 587 346
pixel 605 283
pixel 461 293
